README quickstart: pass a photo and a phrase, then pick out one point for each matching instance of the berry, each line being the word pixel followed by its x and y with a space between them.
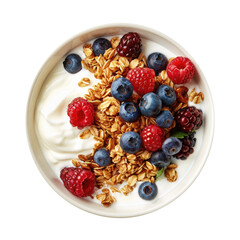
pixel 100 45
pixel 142 80
pixel 131 142
pixel 102 157
pixel 150 105
pixel 79 182
pixel 157 61
pixel 180 70
pixel 188 143
pixel 72 63
pixel 130 45
pixel 129 111
pixel 164 119
pixel 81 113
pixel 160 159
pixel 122 89
pixel 167 95
pixel 148 190
pixel 171 146
pixel 188 119
pixel 152 137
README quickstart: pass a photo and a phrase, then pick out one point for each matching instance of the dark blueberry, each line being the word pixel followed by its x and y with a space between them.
pixel 102 157
pixel 164 119
pixel 157 61
pixel 150 104
pixel 171 146
pixel 148 190
pixel 72 63
pixel 129 111
pixel 167 95
pixel 160 159
pixel 122 89
pixel 100 45
pixel 131 142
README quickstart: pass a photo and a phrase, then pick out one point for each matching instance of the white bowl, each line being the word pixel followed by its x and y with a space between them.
pixel 177 188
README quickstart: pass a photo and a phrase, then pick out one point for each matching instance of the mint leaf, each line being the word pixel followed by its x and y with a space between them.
pixel 159 173
pixel 179 134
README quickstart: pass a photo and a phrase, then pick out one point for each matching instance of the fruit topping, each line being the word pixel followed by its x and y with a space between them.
pixel 122 89
pixel 180 70
pixel 129 45
pixel 72 63
pixel 142 80
pixel 188 143
pixel 164 119
pixel 160 159
pixel 131 142
pixel 157 61
pixel 102 157
pixel 167 95
pixel 150 105
pixel 100 45
pixel 79 182
pixel 81 113
pixel 129 111
pixel 171 146
pixel 188 119
pixel 152 137
pixel 148 190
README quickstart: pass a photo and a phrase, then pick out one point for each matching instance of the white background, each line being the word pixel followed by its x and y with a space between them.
pixel 31 31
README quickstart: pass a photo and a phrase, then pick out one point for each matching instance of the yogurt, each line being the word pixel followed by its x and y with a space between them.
pixel 60 142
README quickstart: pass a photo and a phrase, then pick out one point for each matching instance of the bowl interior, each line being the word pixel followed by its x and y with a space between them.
pixel 126 210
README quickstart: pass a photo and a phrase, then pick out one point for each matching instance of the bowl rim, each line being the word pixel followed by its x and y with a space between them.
pixel 211 121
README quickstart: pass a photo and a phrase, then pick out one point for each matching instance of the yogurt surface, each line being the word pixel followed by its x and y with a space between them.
pixel 60 142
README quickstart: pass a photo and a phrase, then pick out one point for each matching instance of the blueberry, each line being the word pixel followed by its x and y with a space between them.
pixel 171 146
pixel 102 157
pixel 131 142
pixel 150 105
pixel 160 159
pixel 167 95
pixel 129 111
pixel 148 190
pixel 100 45
pixel 72 63
pixel 164 119
pixel 157 61
pixel 121 89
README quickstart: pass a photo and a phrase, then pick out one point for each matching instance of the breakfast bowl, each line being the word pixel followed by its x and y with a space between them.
pixel 55 144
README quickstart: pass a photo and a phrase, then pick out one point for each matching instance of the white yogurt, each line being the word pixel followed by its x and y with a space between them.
pixel 60 142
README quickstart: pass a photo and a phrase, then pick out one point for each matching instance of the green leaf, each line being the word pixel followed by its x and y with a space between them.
pixel 159 173
pixel 179 134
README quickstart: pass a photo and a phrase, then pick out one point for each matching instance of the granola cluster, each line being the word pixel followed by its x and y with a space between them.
pixel 109 127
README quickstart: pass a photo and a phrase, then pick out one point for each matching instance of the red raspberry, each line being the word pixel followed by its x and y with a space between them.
pixel 152 137
pixel 180 70
pixel 81 113
pixel 79 182
pixel 188 119
pixel 142 79
pixel 130 45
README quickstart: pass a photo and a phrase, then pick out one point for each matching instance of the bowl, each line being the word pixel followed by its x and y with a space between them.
pixel 130 206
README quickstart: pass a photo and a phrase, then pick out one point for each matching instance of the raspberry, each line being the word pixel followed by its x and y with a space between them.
pixel 142 80
pixel 180 70
pixel 81 113
pixel 188 119
pixel 130 45
pixel 79 182
pixel 152 137
pixel 188 143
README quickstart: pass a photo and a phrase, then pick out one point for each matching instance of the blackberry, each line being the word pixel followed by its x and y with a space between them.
pixel 130 45
pixel 189 119
pixel 188 143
